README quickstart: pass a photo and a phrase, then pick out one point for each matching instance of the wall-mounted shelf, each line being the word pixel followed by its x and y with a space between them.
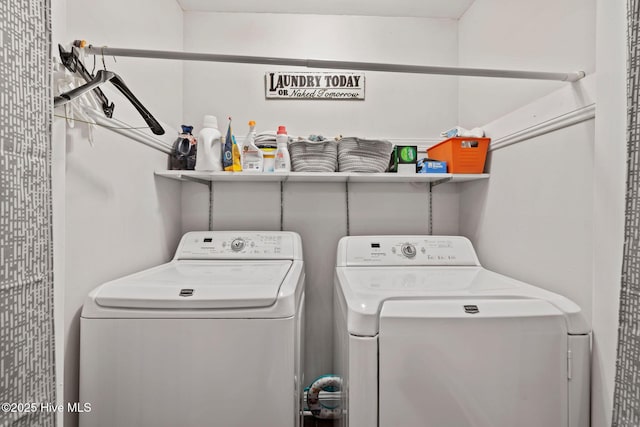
pixel 317 177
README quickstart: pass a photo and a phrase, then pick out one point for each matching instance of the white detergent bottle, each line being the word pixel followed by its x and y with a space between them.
pixel 283 160
pixel 209 154
pixel 252 157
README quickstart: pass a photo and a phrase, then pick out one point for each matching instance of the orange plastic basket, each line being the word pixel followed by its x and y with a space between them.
pixel 463 155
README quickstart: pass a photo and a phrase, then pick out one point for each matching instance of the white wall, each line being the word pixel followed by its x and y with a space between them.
pixel 575 206
pixel 540 35
pixel 131 220
pixel 532 219
pixel 119 217
pixel 608 206
pixel 397 106
pixel 58 181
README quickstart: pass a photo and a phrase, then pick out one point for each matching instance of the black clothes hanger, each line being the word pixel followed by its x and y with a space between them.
pixel 101 77
pixel 71 61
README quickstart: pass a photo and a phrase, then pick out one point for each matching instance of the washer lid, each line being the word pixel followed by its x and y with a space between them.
pixel 365 290
pixel 198 285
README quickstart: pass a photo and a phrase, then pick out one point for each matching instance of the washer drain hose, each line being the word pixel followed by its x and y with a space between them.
pixel 319 407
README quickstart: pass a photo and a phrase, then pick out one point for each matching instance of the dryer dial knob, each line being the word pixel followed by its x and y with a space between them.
pixel 237 245
pixel 408 250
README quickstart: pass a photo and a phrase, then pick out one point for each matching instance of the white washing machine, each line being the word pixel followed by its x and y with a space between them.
pixel 425 336
pixel 213 337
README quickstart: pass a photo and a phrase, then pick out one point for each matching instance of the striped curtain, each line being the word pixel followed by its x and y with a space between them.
pixel 26 279
pixel 626 409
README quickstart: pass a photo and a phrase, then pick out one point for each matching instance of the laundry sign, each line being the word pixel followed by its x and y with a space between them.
pixel 309 85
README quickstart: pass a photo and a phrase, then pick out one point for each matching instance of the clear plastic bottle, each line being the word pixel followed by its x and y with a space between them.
pixel 283 160
pixel 252 157
pixel 209 154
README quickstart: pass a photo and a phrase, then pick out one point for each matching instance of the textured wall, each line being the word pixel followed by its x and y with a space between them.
pixel 626 409
pixel 26 282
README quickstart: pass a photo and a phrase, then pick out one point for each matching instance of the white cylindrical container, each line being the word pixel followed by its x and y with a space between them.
pixel 209 154
pixel 283 160
pixel 269 158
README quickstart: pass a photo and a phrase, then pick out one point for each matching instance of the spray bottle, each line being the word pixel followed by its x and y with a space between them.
pixel 252 157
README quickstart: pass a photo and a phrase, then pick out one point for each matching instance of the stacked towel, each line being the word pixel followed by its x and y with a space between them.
pixel 363 155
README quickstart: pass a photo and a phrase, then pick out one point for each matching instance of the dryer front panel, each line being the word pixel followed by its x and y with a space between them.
pixel 472 363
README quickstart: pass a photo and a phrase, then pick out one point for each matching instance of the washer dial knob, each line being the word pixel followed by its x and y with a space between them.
pixel 237 245
pixel 408 250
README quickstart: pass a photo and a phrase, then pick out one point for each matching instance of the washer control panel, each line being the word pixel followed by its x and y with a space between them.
pixel 239 245
pixel 406 250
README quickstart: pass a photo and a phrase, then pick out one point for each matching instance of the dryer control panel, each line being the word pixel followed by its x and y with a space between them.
pixel 406 250
pixel 239 245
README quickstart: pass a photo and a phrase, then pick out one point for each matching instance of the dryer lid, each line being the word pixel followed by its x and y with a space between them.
pixel 364 291
pixel 198 285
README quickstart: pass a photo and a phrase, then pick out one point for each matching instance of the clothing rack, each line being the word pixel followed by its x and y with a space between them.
pixel 309 63
pixel 72 63
pixel 341 65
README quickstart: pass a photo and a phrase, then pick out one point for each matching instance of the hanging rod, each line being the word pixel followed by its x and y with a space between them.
pixel 342 65
pixel 72 63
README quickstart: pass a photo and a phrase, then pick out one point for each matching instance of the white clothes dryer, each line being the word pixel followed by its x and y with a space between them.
pixel 425 336
pixel 213 337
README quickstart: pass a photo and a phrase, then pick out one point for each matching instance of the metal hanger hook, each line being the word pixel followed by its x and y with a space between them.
pixel 104 65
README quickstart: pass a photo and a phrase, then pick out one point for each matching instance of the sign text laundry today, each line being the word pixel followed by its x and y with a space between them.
pixel 308 85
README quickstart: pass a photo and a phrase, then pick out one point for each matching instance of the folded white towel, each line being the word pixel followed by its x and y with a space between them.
pixel 460 131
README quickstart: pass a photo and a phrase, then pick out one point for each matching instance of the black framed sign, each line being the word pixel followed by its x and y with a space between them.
pixel 311 85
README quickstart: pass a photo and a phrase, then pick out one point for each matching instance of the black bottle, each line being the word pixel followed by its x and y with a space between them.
pixel 183 154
